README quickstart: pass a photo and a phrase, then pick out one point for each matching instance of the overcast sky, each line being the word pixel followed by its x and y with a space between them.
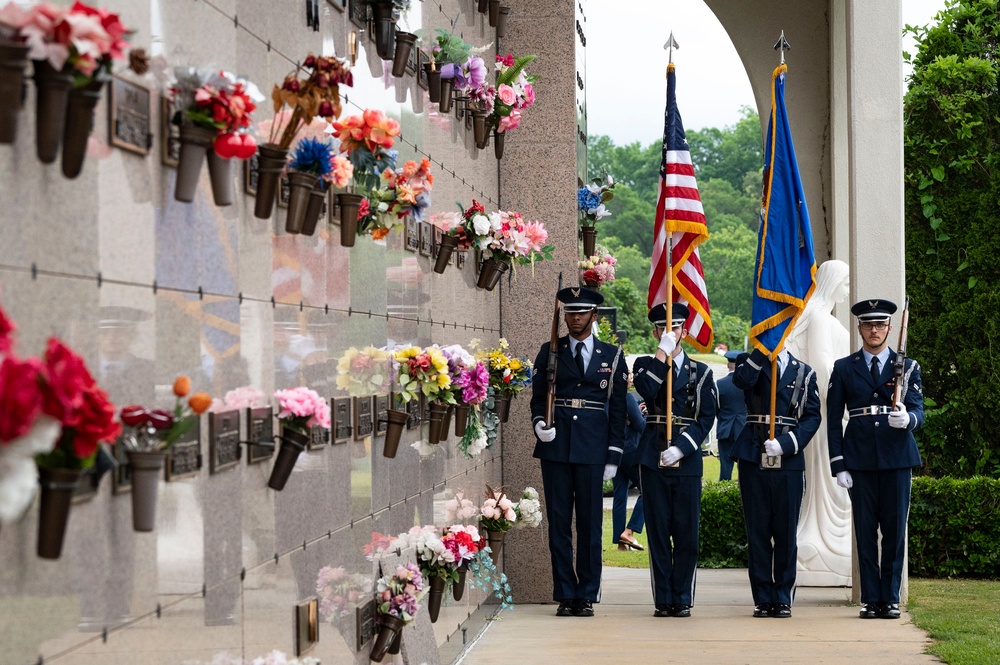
pixel 614 37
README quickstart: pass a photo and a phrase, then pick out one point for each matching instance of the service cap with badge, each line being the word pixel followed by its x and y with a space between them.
pixel 579 299
pixel 658 315
pixel 873 310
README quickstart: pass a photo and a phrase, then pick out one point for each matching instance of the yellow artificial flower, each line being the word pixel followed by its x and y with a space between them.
pixel 344 364
pixel 515 364
pixel 503 343
pixel 443 380
pixel 408 352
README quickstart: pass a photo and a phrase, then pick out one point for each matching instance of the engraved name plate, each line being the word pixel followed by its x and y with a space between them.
pixel 365 619
pixel 381 414
pixel 413 413
pixel 260 428
pixel 318 437
pixel 363 425
pixel 306 626
pixel 184 458
pixel 223 441
pixel 130 113
pixel 412 234
pixel 342 419
pixel 426 238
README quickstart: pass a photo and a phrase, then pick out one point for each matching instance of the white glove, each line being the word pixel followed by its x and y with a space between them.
pixel 668 342
pixel 844 479
pixel 544 434
pixel 773 448
pixel 671 456
pixel 609 471
pixel 899 419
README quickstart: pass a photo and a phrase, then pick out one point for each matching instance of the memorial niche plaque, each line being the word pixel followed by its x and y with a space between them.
pixel 412 234
pixel 223 441
pixel 306 626
pixel 358 11
pixel 363 425
pixel 421 73
pixel 318 437
pixel 184 457
pixel 130 111
pixel 426 238
pixel 170 135
pixel 413 414
pixel 339 4
pixel 460 259
pixel 365 620
pixel 381 408
pixel 250 175
pixel 121 475
pixel 260 429
pixel 342 419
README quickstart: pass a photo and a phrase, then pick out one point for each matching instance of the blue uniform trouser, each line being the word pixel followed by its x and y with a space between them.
pixel 578 487
pixel 725 462
pixel 628 473
pixel 673 510
pixel 771 502
pixel 880 500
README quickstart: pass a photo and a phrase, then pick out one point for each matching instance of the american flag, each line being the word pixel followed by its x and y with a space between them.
pixel 679 212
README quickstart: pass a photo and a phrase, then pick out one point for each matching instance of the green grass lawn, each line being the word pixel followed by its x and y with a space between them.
pixel 961 616
pixel 628 558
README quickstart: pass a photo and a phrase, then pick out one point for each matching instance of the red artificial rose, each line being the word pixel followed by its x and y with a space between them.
pixel 7 329
pixel 20 397
pixel 65 379
pixel 134 415
pixel 476 207
pixel 97 423
pixel 591 276
pixel 160 419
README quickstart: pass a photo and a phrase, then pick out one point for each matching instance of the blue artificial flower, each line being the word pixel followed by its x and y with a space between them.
pixel 312 155
pixel 587 199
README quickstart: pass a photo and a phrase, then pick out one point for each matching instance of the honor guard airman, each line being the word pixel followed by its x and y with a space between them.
pixel 670 475
pixel 772 472
pixel 582 448
pixel 873 459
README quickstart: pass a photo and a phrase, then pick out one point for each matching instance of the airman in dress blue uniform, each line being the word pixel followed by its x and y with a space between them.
pixel 873 459
pixel 670 476
pixel 772 472
pixel 732 416
pixel 581 450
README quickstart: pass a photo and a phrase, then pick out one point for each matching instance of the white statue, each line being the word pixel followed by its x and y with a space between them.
pixel 824 533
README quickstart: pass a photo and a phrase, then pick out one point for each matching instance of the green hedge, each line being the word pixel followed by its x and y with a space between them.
pixel 723 534
pixel 954 527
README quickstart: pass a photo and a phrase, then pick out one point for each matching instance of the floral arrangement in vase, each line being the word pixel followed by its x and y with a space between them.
pixel 435 559
pixel 339 592
pixel 221 103
pixel 599 269
pixel 514 240
pixel 591 199
pixel 312 166
pixel 528 509
pixel 300 409
pixel 378 544
pixel 401 193
pixel 459 508
pixel 497 514
pixel 364 371
pixel 396 598
pixel 509 375
pixel 471 387
pixel 423 372
pixel 158 429
pixel 243 397
pixel 514 91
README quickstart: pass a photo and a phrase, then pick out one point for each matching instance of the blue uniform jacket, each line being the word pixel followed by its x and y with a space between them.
pixel 635 423
pixel 869 444
pixel 753 377
pixel 650 380
pixel 583 436
pixel 732 409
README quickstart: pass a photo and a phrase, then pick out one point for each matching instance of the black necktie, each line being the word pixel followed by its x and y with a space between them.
pixel 875 372
pixel 579 358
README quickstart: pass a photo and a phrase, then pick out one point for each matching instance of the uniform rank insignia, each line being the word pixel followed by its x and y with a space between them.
pixel 604 384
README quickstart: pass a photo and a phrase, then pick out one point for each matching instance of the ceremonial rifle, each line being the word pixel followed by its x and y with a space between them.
pixel 899 367
pixel 553 367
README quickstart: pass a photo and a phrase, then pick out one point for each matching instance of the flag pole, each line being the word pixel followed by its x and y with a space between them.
pixel 668 278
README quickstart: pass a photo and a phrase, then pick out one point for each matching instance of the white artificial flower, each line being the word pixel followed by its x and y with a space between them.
pixel 599 213
pixel 18 473
pixel 496 221
pixel 481 224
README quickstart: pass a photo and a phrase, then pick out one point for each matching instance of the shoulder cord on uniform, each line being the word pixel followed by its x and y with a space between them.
pixel 692 405
pixel 906 379
pixel 797 403
pixel 614 368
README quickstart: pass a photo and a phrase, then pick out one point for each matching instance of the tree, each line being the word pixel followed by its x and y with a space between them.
pixel 631 303
pixel 631 220
pixel 952 157
pixel 729 153
pixel 631 262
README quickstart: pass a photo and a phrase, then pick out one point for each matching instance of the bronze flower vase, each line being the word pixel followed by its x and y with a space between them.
pixel 498 138
pixel 316 199
pixel 220 172
pixel 13 60
pixel 458 588
pixel 270 163
pixel 50 108
pixel 591 284
pixel 589 235
pixel 348 205
pixel 292 445
pixel 79 123
pixel 396 644
pixel 388 631
pixel 504 12
pixel 483 6
pixel 494 13
pixel 490 272
pixel 438 413
pixel 501 404
pixel 462 412
pixel 479 132
pixel 434 597
pixel 57 495
pixel 445 249
pixel 433 82
pixel 147 467
pixel 195 144
pixel 495 541
pixel 300 186
pixel 404 44
pixel 447 86
pixel 385 26
pixel 396 421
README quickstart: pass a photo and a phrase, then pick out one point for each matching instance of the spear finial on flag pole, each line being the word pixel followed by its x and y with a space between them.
pixel 781 46
pixel 670 46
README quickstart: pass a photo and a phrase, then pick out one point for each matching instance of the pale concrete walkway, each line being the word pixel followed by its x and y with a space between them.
pixel 825 628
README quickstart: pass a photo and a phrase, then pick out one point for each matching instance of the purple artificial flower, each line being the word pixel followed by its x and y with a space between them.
pixel 474 381
pixel 474 72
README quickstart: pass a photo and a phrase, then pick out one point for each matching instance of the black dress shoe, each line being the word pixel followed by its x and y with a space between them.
pixel 662 611
pixel 869 611
pixel 762 610
pixel 781 611
pixel 889 611
pixel 565 608
pixel 680 611
pixel 583 608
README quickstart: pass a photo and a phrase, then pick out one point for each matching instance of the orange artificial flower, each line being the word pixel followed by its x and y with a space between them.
pixel 199 402
pixel 182 386
pixel 379 233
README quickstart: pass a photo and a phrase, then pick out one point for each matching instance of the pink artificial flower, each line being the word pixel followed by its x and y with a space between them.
pixel 510 121
pixel 506 94
pixel 529 95
pixel 341 171
pixel 536 235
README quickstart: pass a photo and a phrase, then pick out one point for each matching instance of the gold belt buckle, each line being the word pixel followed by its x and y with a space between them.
pixel 576 403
